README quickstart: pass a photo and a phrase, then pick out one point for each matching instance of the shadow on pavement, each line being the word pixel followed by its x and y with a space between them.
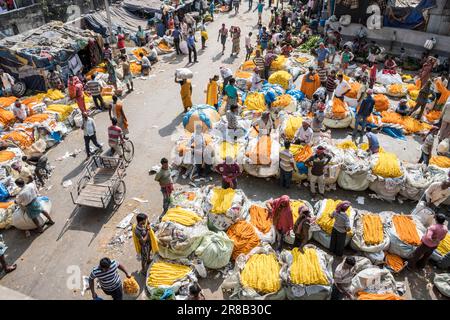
pixel 75 172
pixel 170 128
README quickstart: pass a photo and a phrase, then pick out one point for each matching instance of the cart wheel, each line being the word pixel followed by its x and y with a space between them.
pixel 128 150
pixel 119 194
pixel 82 183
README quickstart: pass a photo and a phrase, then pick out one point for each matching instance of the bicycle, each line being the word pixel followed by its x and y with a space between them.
pixel 127 147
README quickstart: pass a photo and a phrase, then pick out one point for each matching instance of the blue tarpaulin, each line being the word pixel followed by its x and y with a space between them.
pixel 408 18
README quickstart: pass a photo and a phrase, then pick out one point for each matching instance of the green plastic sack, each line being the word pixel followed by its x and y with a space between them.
pixel 215 250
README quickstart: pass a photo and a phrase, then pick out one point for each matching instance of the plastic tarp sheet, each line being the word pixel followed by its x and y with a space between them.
pixel 408 17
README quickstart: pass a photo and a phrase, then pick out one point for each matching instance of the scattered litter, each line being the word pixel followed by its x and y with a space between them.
pixel 49 187
pixel 375 196
pixel 192 184
pixel 161 71
pixel 27 234
pixel 155 127
pixel 360 200
pixel 125 221
pixel 400 201
pixel 142 78
pixel 154 169
pixel 85 285
pixel 139 200
pixel 67 183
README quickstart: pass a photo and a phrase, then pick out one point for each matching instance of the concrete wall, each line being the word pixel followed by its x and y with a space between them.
pixel 439 21
pixel 21 20
pixel 411 40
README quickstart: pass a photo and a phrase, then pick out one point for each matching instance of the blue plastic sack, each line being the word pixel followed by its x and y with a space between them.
pixel 202 115
pixel 302 169
pixel 296 94
pixel 4 193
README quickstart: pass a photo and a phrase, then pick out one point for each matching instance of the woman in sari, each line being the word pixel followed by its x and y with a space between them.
pixel 212 92
pixel 310 83
pixel 142 240
pixel 281 214
pixel 186 93
pixel 235 37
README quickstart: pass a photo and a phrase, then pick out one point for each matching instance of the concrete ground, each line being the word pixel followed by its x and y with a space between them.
pixel 51 265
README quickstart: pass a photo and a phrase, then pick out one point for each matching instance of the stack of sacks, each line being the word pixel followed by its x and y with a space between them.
pixel 417 180
pixel 62 111
pixel 381 102
pixel 255 102
pixel 6 118
pixel 180 233
pixel 440 161
pixel 433 116
pixel 243 79
pixel 387 79
pixel 248 66
pixel 164 275
pixel 6 213
pixel 21 138
pixel 323 209
pixel 222 133
pixel 280 63
pixel 202 113
pixel 405 233
pixel 22 221
pixel 355 167
pixel 351 97
pixel 283 78
pixel 224 207
pixel 184 154
pixel 262 156
pixel 224 149
pixel 164 48
pixel 215 250
pixel 394 263
pixel 260 275
pixel 414 89
pixel 191 198
pixel 371 235
pixel 379 89
pixel 337 114
pixel 244 238
pixel 442 253
pixel 396 90
pixel 308 275
pixel 387 175
pixel 290 124
pixel 285 102
pixel 384 289
pixel 258 218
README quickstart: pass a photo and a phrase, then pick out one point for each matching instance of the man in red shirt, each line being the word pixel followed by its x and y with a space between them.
pixel 121 40
pixel 430 241
pixel 115 136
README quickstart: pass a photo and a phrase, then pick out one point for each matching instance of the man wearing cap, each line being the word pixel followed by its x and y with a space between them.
pixel 304 134
pixel 342 87
pixel 318 162
pixel 365 110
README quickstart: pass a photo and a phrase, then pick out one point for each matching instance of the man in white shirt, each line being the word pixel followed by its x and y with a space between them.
pixel 20 111
pixel 287 165
pixel 437 193
pixel 248 46
pixel 6 83
pixel 226 74
pixel 304 134
pixel 342 87
pixel 90 134
pixel 153 56
pixel 256 81
pixel 27 199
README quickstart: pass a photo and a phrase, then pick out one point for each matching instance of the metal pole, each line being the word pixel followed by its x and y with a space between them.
pixel 108 16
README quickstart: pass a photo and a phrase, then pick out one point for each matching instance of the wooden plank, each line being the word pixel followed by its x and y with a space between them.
pixel 89 203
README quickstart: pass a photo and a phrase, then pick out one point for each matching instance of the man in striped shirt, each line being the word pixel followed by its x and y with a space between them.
pixel 331 84
pixel 94 87
pixel 115 135
pixel 322 72
pixel 109 279
pixel 287 166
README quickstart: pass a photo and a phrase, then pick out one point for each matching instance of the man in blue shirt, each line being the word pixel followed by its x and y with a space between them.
pixel 176 34
pixel 231 93
pixel 191 47
pixel 364 111
pixel 322 53
pixel 374 144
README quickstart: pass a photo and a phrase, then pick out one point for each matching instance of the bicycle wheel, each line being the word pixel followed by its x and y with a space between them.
pixel 128 150
pixel 119 193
